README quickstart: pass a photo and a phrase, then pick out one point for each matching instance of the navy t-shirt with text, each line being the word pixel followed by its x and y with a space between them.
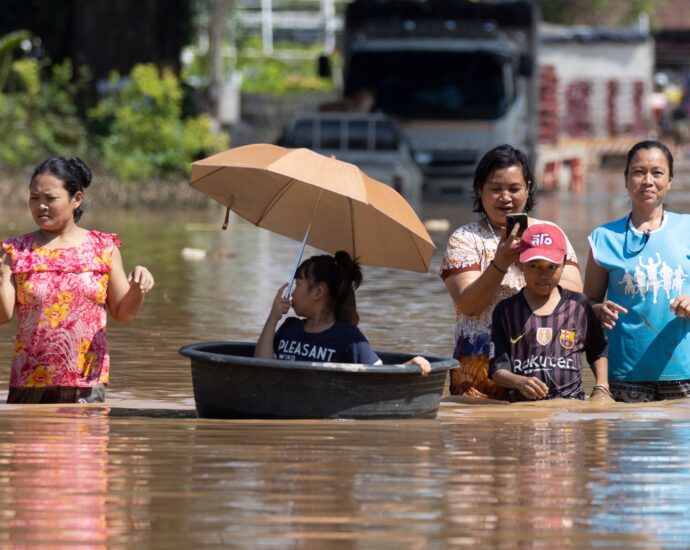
pixel 341 343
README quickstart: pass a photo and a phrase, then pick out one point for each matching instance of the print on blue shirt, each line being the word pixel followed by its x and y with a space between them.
pixel 651 276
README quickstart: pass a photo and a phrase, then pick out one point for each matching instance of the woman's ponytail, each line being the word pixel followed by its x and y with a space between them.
pixel 349 279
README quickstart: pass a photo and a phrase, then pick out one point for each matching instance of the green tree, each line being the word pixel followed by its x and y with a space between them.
pixel 38 116
pixel 280 74
pixel 8 44
pixel 143 134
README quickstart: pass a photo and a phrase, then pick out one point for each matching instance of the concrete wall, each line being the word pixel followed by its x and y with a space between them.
pixel 600 60
pixel 598 63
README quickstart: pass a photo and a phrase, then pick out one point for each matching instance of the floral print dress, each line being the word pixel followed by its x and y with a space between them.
pixel 61 314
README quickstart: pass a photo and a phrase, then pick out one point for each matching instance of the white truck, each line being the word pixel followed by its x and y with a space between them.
pixel 458 75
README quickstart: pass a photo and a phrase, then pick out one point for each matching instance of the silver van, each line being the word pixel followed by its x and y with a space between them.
pixel 371 141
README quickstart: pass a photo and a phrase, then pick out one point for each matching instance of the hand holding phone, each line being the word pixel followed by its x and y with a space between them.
pixel 516 219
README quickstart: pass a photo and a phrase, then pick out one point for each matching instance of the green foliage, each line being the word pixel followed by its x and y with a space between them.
pixel 144 135
pixel 288 70
pixel 8 44
pixel 198 139
pixel 197 71
pixel 38 116
pixel 636 7
pixel 594 11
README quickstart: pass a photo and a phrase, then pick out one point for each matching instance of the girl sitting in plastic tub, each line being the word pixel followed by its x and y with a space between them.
pixel 324 296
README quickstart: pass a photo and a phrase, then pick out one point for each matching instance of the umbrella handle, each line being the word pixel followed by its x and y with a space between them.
pixel 288 290
pixel 227 212
pixel 227 218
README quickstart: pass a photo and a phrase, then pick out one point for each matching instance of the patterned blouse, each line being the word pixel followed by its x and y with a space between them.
pixel 61 314
pixel 471 248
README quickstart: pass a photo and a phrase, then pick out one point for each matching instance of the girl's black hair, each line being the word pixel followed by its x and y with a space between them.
pixel 73 173
pixel 341 275
pixel 649 144
pixel 499 158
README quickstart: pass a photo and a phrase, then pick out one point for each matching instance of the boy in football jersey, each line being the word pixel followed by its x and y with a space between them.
pixel 539 334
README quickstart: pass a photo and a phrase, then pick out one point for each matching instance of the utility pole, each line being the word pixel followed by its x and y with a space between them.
pixel 216 43
pixel 267 26
pixel 328 11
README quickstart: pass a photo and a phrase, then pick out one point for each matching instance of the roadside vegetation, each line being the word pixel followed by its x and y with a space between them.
pixel 138 126
pixel 288 70
pixel 135 128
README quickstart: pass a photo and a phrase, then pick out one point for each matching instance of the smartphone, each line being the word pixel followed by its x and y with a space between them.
pixel 513 219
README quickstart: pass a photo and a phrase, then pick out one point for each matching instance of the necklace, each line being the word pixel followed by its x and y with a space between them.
pixel 645 236
pixel 491 228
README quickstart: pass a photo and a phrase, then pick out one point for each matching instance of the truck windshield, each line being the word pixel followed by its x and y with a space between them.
pixel 434 85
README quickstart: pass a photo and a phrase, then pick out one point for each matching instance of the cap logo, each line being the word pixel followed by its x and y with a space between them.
pixel 539 239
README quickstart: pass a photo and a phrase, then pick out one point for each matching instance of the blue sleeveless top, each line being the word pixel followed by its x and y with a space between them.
pixel 646 272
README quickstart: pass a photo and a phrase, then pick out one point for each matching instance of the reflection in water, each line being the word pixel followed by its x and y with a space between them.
pixel 320 481
pixel 56 487
pixel 648 491
pixel 573 481
pixel 142 471
pixel 546 475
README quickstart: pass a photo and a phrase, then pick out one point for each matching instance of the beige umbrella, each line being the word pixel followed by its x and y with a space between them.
pixel 329 204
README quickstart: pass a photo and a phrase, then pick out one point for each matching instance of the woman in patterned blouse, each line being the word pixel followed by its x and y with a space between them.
pixel 59 280
pixel 479 267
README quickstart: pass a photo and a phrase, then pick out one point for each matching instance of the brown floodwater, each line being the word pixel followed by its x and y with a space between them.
pixel 142 470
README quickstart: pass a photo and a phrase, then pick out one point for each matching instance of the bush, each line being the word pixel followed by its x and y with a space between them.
pixel 144 135
pixel 293 71
pixel 38 116
pixel 8 44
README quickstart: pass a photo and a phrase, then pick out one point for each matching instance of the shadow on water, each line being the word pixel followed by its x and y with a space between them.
pixel 123 412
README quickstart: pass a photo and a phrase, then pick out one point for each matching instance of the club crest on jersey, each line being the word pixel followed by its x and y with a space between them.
pixel 567 339
pixel 544 335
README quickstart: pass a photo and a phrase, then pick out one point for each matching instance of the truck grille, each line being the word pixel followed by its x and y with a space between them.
pixel 449 162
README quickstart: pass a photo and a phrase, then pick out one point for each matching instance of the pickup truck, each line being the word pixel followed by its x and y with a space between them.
pixel 372 141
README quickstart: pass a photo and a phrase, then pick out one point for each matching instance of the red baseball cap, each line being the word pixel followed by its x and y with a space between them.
pixel 542 241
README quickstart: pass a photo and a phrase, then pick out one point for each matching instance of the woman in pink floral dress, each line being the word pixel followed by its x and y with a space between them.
pixel 59 280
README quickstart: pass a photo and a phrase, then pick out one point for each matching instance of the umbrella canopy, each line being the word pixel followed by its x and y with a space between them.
pixel 293 192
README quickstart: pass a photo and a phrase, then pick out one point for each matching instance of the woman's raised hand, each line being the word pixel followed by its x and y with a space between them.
pixel 506 251
pixel 141 277
pixel 607 312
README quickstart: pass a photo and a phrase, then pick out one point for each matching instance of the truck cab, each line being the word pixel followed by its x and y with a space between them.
pixel 455 73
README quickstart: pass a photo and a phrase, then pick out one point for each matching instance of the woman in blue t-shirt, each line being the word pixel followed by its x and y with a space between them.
pixel 324 296
pixel 637 277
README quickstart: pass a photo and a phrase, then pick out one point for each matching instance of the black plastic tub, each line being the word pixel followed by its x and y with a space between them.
pixel 230 383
